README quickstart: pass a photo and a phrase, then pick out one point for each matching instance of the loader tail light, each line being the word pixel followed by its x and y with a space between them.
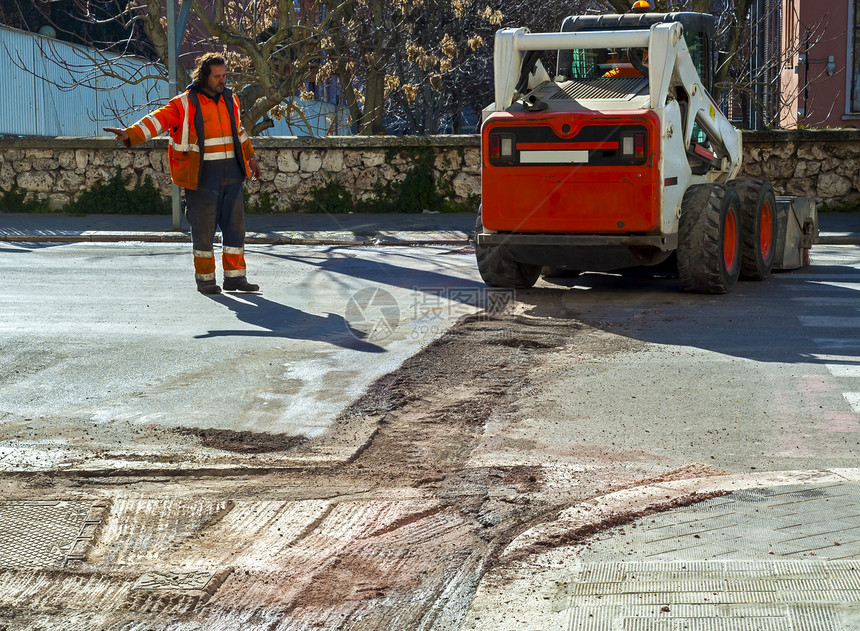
pixel 495 147
pixel 639 146
pixel 633 146
pixel 501 148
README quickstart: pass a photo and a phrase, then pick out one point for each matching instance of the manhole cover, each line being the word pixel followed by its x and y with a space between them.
pixel 35 534
pixel 182 581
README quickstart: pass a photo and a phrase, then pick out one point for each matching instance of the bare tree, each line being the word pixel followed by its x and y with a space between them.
pixel 440 61
pixel 415 65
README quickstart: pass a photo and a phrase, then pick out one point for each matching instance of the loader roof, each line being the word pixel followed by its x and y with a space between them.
pixel 696 22
pixel 698 32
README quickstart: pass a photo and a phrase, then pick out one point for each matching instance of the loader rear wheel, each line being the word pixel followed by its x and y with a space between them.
pixel 758 206
pixel 709 239
pixel 499 269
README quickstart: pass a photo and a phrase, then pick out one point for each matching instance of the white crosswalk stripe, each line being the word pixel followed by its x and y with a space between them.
pixel 828 298
pixel 853 399
pixel 836 343
pixel 851 371
pixel 832 322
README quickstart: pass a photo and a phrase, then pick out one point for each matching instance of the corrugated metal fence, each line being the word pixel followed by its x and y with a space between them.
pixel 56 89
pixel 52 88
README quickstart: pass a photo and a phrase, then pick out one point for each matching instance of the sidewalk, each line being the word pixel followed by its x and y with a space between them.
pixel 356 229
pixel 780 551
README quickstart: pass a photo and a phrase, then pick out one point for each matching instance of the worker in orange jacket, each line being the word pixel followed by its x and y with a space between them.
pixel 210 156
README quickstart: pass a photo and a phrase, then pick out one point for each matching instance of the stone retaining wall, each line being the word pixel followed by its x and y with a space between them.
pixel 812 163
pixel 823 164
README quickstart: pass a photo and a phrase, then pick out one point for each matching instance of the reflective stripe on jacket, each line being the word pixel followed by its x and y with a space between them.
pixel 180 118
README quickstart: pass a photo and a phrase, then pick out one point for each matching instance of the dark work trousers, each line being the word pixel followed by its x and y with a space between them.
pixel 217 202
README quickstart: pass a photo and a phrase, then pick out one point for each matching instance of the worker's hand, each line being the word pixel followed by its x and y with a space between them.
pixel 255 169
pixel 121 134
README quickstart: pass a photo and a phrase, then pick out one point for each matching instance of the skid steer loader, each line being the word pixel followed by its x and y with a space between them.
pixel 623 159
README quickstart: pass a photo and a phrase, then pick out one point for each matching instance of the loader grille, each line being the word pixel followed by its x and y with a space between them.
pixel 614 88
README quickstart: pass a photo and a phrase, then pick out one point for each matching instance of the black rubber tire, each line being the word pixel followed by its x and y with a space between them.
pixel 710 219
pixel 759 253
pixel 499 269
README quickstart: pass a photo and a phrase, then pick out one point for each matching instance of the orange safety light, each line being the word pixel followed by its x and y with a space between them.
pixel 642 4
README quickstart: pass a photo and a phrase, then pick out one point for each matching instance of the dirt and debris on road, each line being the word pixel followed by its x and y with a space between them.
pixel 397 537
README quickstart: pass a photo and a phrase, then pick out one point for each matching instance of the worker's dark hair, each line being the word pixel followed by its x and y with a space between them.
pixel 204 68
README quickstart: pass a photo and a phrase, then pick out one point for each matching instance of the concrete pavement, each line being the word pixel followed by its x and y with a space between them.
pixel 765 551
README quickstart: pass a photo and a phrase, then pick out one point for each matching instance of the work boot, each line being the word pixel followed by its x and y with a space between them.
pixel 239 283
pixel 208 288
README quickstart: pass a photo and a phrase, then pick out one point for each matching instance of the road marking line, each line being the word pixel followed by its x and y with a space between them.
pixel 835 343
pixel 853 399
pixel 839 322
pixel 844 370
pixel 835 283
pixel 819 286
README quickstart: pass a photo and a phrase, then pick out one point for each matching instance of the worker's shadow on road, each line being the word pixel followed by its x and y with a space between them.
pixel 277 320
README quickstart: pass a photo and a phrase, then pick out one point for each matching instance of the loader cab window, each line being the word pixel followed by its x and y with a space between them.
pixel 587 63
pixel 697 43
pixel 700 53
pixel 605 63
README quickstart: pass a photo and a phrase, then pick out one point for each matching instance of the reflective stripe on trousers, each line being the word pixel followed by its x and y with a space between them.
pixel 217 202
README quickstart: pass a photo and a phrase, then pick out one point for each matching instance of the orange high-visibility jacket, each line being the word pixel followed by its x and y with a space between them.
pixel 183 120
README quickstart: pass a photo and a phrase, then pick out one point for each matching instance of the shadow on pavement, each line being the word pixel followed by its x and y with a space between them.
pixel 278 320
pixel 803 316
pixel 21 247
pixel 461 290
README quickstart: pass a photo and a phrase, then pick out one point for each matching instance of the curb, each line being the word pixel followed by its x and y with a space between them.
pixel 837 240
pixel 583 519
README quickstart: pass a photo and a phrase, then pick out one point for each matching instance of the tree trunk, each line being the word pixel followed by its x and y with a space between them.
pixel 374 102
pixel 374 96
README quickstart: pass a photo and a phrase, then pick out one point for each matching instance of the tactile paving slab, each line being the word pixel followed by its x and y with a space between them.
pixel 785 559
pixel 40 533
pixel 791 522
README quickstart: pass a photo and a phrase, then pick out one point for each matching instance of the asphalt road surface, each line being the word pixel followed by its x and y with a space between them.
pixel 104 347
pixel 372 474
